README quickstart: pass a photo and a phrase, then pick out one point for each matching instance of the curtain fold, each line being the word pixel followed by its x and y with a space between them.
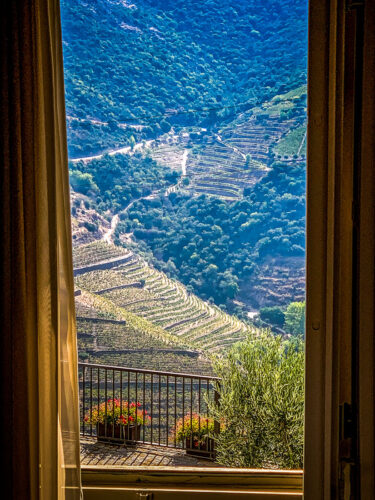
pixel 40 417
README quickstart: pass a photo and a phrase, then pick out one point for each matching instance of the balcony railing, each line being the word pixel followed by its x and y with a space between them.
pixel 158 401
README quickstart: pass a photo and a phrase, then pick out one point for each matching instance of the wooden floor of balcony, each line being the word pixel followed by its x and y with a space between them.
pixel 95 453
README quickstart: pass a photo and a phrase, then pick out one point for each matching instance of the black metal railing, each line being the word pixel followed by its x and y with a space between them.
pixel 148 406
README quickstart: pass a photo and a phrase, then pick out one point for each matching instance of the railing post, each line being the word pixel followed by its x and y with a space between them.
pixel 217 402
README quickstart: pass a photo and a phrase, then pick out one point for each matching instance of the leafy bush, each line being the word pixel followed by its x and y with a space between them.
pixel 273 315
pixel 91 226
pixel 261 403
pixel 295 318
pixel 82 182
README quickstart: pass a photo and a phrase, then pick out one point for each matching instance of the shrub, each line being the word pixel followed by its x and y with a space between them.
pixel 295 318
pixel 261 403
pixel 90 226
pixel 273 315
pixel 82 182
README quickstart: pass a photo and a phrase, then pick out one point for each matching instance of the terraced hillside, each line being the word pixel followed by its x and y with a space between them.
pixel 257 133
pixel 222 170
pixel 255 136
pixel 134 288
pixel 169 149
pixel 278 280
pixel 237 156
pixel 122 343
pixel 96 254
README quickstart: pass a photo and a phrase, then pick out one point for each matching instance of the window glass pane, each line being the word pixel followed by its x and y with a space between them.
pixel 187 146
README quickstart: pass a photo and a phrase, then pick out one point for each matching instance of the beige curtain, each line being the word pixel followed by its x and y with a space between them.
pixel 39 411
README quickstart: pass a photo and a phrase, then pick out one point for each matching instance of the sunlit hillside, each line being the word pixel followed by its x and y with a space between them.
pixel 187 139
pixel 129 312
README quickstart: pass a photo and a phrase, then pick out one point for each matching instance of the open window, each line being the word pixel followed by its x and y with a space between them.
pixel 187 167
pixel 339 442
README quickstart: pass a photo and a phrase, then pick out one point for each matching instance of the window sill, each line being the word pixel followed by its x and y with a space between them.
pixel 158 483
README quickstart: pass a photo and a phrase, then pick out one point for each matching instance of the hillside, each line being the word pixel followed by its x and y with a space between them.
pixel 187 138
pixel 131 314
pixel 136 68
pixel 233 230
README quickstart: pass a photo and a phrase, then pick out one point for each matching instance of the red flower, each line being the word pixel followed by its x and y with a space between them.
pixel 131 418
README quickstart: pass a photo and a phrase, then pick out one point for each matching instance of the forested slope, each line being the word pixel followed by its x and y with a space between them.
pixel 150 63
pixel 187 123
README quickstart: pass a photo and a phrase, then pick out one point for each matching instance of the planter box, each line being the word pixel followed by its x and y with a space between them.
pixel 118 433
pixel 198 449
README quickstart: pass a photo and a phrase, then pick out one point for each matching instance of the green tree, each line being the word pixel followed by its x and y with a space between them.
pixel 229 285
pixel 295 318
pixel 261 403
pixel 247 162
pixel 82 182
pixel 273 315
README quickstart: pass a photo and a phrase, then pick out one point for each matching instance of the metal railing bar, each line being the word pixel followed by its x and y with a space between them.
pixel 175 408
pixel 98 388
pixel 167 408
pixel 191 413
pixel 159 407
pixel 155 372
pixel 144 405
pixel 90 400
pixel 128 402
pixel 84 399
pixel 183 407
pixel 121 394
pixel 152 401
pixel 199 405
pixel 136 403
pixel 113 403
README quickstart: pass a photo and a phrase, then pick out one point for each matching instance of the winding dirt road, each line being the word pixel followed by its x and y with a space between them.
pixel 114 152
pixel 115 219
pixel 108 235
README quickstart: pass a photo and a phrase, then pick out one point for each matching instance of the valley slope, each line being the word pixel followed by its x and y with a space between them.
pixel 133 315
pixel 187 138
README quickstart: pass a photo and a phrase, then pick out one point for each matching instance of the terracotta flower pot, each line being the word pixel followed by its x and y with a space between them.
pixel 118 433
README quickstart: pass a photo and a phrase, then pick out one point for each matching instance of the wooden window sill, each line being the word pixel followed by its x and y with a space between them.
pixel 158 483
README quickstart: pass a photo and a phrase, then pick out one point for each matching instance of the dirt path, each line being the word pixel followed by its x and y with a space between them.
pixel 114 152
pixel 302 143
pixel 108 235
pixel 174 188
pixel 236 150
pixel 183 162
pixel 115 219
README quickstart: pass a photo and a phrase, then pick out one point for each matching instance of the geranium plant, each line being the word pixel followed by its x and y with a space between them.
pixel 116 412
pixel 195 427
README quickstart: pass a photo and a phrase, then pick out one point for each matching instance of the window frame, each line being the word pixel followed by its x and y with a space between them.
pixel 329 290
